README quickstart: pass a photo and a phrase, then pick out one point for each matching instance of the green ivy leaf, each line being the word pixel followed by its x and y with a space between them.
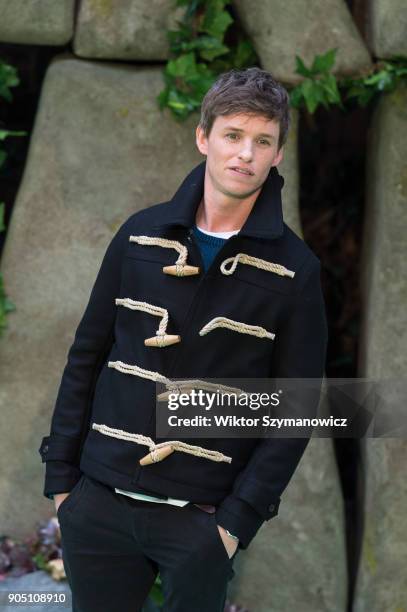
pixel 179 103
pixel 6 306
pixel 8 78
pixel 216 20
pixel 311 95
pixel 381 80
pixel 182 66
pixel 301 67
pixel 204 45
pixel 6 133
pixel 210 48
pixel 362 94
pixel 320 95
pixel 296 96
pixel 2 210
pixel 181 36
pixel 162 98
pixel 324 63
pixel 40 561
pixel 330 86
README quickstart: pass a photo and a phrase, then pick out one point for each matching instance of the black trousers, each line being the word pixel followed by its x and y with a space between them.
pixel 113 546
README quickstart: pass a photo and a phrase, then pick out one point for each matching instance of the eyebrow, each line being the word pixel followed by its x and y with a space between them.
pixel 230 127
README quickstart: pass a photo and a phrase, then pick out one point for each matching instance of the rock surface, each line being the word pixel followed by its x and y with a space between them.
pixel 36 22
pixel 387 28
pixel 383 356
pixel 281 30
pixel 129 29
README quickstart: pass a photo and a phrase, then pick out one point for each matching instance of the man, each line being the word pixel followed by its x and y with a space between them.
pixel 237 295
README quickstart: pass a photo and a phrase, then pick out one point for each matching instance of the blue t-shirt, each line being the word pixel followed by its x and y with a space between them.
pixel 208 245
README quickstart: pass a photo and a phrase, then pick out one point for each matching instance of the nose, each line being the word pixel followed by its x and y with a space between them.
pixel 246 152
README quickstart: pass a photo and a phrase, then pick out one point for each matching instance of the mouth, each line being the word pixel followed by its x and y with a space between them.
pixel 241 171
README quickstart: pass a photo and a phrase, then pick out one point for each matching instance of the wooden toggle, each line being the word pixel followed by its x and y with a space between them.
pixel 157 454
pixel 162 340
pixel 181 270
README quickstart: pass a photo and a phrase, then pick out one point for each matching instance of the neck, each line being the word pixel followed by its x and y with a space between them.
pixel 218 212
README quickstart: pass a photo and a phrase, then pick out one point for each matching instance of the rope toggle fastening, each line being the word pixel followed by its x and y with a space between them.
pixel 262 264
pixel 161 339
pixel 237 326
pixel 180 268
pixel 160 451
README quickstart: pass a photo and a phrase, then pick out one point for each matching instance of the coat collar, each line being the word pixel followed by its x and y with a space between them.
pixel 264 221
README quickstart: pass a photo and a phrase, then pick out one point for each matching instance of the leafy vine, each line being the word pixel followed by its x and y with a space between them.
pixel 8 79
pixel 205 45
pixel 202 47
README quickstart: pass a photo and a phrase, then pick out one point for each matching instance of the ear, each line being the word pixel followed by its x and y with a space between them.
pixel 201 140
pixel 278 157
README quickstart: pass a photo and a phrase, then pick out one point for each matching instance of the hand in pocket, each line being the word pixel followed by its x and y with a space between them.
pixel 59 498
pixel 230 543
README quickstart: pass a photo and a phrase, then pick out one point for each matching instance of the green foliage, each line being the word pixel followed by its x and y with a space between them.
pixel 40 561
pixel 320 86
pixel 8 79
pixel 3 135
pixel 199 54
pixel 6 305
pixel 386 76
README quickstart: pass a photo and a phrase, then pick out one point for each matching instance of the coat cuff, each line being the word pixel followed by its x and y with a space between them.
pixel 60 477
pixel 62 472
pixel 239 518
pixel 59 447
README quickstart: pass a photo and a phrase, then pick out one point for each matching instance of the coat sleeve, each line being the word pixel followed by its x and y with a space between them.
pixel 299 352
pixel 93 339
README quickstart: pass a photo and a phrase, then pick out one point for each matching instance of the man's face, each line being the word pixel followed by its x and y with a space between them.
pixel 240 141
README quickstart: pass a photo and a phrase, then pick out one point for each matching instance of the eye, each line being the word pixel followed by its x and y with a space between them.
pixel 232 135
pixel 263 141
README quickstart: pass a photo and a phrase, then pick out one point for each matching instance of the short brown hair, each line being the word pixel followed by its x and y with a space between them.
pixel 252 91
